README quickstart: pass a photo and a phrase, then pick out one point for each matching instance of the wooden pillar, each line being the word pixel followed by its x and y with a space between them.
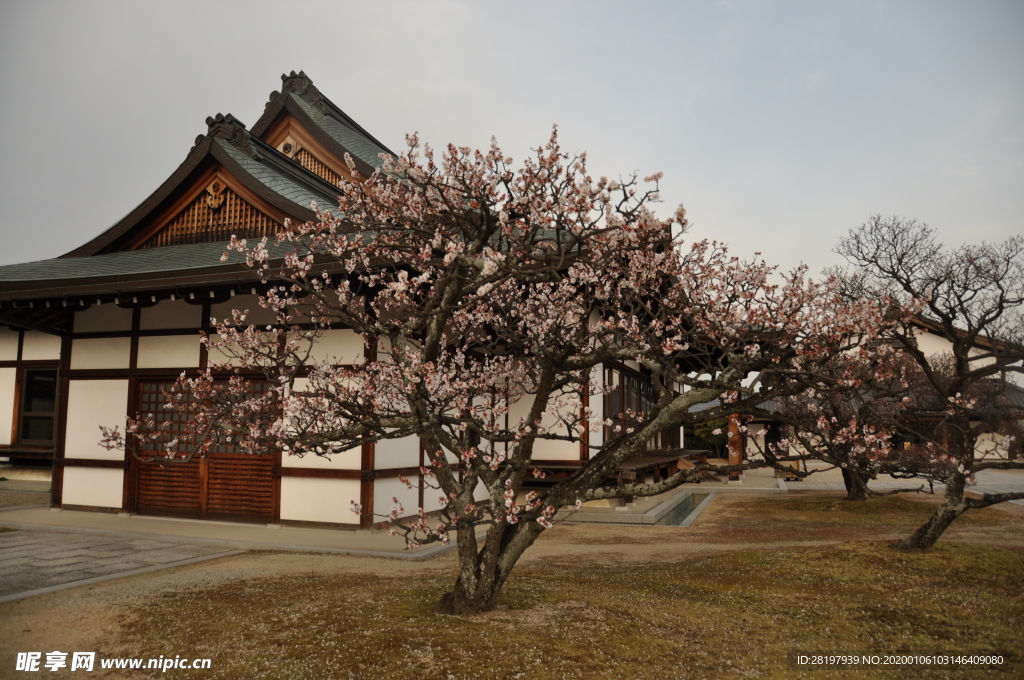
pixel 737 444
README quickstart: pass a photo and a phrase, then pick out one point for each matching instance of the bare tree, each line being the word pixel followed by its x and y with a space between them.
pixel 972 298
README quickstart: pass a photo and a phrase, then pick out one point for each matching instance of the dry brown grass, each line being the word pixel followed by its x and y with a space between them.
pixel 655 613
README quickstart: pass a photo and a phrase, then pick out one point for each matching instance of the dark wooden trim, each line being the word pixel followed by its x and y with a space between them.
pixel 131 465
pixel 275 481
pixel 93 508
pixel 204 326
pixel 57 487
pixel 30 363
pixel 133 348
pixel 321 473
pixel 316 473
pixel 584 405
pixel 422 479
pixel 21 345
pixel 171 373
pixel 19 375
pixel 92 463
pixel 366 463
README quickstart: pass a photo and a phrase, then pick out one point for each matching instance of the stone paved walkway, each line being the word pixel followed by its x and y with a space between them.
pixel 32 560
pixel 989 481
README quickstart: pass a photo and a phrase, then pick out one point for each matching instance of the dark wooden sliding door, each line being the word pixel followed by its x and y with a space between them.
pixel 224 485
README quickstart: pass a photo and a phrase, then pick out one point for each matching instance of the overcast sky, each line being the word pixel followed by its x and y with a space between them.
pixel 779 125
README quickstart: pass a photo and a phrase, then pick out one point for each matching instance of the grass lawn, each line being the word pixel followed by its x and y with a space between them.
pixel 591 608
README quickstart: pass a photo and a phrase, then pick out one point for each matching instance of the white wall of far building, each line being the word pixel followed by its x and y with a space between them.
pixel 98 487
pixel 40 347
pixel 545 449
pixel 103 318
pixel 7 405
pixel 386 489
pixel 319 500
pixel 340 346
pixel 397 453
pixel 168 351
pixel 8 344
pixel 92 403
pixel 100 353
pixel 256 315
pixel 168 314
pixel 346 460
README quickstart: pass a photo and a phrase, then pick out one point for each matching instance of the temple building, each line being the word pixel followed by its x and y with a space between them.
pixel 96 334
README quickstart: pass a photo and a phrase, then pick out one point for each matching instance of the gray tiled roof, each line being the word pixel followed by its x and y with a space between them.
pixel 145 261
pixel 276 181
pixel 358 145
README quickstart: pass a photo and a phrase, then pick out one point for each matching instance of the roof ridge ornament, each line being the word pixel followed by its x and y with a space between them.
pixel 233 131
pixel 300 84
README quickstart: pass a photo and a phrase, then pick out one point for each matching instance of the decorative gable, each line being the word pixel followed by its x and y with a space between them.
pixel 291 139
pixel 213 213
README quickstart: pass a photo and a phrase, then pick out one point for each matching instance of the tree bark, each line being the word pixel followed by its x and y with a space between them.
pixel 856 485
pixel 951 508
pixel 484 569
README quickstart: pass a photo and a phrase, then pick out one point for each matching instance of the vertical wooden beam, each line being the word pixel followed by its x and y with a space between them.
pixel 131 408
pixel 59 436
pixel 585 437
pixel 367 459
pixel 737 443
pixel 422 479
pixel 204 325
pixel 366 486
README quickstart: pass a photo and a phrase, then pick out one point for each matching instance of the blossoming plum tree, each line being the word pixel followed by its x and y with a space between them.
pixel 482 288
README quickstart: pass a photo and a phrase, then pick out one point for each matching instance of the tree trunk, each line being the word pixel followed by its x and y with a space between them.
pixel 483 570
pixel 856 485
pixel 951 508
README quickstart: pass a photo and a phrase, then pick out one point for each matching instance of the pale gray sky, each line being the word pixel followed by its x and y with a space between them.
pixel 778 124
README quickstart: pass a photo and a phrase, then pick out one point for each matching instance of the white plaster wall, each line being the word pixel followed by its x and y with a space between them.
pixel 346 460
pixel 99 487
pixel 257 315
pixel 8 344
pixel 397 453
pixel 92 403
pixel 340 346
pixel 990 445
pixel 171 314
pixel 101 352
pixel 168 351
pixel 431 497
pixel 544 449
pixel 319 500
pixel 7 380
pixel 216 356
pixel 40 346
pixel 108 317
pixel 384 490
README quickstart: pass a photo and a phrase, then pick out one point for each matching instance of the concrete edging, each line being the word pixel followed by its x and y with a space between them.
pixel 696 511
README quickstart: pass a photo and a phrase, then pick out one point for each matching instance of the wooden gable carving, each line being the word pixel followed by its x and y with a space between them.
pixel 213 211
pixel 294 141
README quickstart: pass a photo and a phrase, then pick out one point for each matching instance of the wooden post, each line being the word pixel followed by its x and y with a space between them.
pixel 737 444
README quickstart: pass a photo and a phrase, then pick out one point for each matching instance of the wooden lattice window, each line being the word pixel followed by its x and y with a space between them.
pixel 38 406
pixel 314 165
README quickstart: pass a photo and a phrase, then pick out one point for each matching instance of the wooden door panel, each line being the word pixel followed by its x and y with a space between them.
pixel 226 485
